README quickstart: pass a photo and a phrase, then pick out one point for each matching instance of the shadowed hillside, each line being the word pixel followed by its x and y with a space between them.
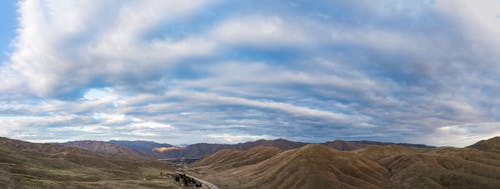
pixel 25 165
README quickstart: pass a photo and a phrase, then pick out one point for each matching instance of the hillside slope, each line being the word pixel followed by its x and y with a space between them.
pixel 445 168
pixel 25 165
pixel 373 166
pixel 380 152
pixel 490 145
pixel 312 166
pixel 226 159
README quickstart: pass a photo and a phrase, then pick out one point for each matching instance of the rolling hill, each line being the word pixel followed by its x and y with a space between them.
pixel 445 168
pixel 371 166
pixel 490 145
pixel 236 158
pixel 311 166
pixel 25 165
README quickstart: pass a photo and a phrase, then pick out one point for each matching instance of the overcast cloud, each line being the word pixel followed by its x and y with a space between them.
pixel 232 71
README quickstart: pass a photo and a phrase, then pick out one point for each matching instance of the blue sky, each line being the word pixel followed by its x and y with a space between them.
pixel 8 26
pixel 233 71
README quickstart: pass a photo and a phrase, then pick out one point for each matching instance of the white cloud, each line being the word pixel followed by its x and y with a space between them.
pixel 261 31
pixel 85 129
pixel 462 134
pixel 96 94
pixel 65 45
pixel 148 125
pixel 110 118
pixel 236 138
pixel 290 108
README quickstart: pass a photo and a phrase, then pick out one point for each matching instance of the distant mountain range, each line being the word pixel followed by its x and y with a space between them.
pixel 376 165
pixel 200 150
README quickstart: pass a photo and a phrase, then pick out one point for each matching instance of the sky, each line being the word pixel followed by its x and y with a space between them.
pixel 223 71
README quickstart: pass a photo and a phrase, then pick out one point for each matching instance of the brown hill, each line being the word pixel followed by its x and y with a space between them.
pixel 25 165
pixel 312 166
pixel 374 166
pixel 490 145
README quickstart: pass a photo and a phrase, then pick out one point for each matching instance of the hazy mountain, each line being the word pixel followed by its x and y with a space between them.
pixel 25 165
pixel 372 166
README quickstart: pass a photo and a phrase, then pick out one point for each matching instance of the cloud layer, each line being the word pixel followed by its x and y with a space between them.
pixel 231 71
